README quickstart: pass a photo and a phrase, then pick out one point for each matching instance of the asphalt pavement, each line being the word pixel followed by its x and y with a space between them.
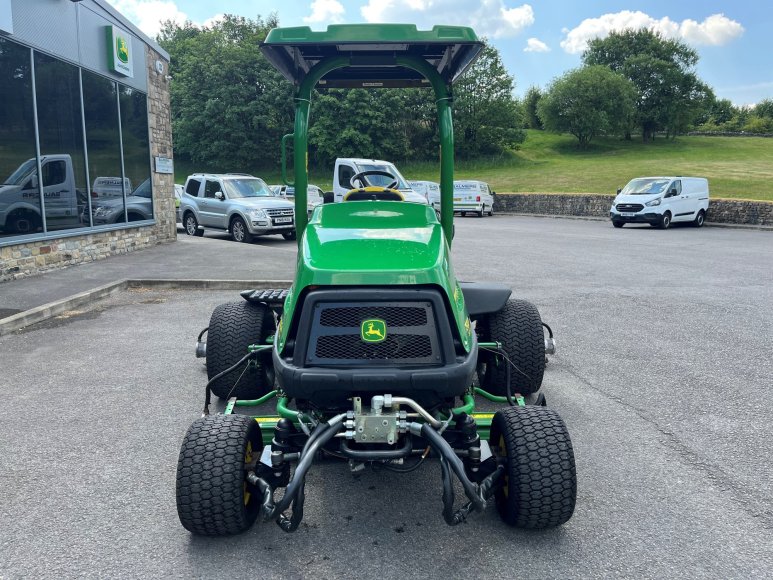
pixel 663 374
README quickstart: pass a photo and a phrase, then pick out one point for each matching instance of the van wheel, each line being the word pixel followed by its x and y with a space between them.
pixel 289 235
pixel 491 211
pixel 699 219
pixel 665 221
pixel 192 225
pixel 239 231
pixel 618 224
pixel 23 222
pixel 480 213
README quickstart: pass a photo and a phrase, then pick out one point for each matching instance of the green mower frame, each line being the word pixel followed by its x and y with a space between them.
pixel 377 342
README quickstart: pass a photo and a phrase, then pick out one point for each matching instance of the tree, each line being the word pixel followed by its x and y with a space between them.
pixel 670 95
pixel 586 102
pixel 530 102
pixel 487 118
pixel 230 107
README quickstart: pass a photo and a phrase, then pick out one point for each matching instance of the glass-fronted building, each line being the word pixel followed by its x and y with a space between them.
pixel 85 137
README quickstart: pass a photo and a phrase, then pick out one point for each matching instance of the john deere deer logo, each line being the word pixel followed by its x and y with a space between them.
pixel 121 49
pixel 373 330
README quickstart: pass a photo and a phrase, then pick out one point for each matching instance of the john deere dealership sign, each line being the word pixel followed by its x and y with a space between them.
pixel 119 51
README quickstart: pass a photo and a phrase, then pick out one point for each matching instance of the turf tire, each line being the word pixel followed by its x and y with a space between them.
pixel 232 328
pixel 211 475
pixel 540 484
pixel 518 327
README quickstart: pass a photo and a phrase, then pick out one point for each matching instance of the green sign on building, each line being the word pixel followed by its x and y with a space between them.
pixel 119 51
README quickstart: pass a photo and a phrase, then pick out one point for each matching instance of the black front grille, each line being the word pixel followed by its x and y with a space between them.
pixel 632 207
pixel 334 334
pixel 351 347
pixel 393 316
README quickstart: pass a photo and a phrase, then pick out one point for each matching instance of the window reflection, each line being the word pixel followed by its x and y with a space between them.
pixel 60 130
pixel 103 143
pixel 19 193
pixel 136 153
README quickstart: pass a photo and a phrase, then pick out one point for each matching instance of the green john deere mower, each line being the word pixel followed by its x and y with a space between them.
pixel 371 354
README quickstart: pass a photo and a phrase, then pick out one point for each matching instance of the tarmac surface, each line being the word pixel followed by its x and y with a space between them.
pixel 663 374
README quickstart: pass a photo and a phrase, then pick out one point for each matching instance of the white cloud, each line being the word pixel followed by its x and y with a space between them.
pixel 536 45
pixel 325 11
pixel 492 18
pixel 147 15
pixel 715 30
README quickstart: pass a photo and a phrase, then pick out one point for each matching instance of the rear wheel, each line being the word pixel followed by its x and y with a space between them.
pixel 192 225
pixel 213 495
pixel 699 219
pixel 239 231
pixel 232 328
pixel 540 482
pixel 482 210
pixel 518 327
pixel 665 221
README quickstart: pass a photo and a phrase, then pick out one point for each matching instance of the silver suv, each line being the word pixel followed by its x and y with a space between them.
pixel 238 203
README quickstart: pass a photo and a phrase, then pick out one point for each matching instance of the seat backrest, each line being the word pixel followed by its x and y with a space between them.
pixel 374 194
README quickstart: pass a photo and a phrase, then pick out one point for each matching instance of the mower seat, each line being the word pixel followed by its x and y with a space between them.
pixel 373 193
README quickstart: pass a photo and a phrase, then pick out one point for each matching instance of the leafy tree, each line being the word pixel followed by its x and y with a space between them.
pixel 764 109
pixel 586 102
pixel 230 107
pixel 530 102
pixel 487 118
pixel 670 95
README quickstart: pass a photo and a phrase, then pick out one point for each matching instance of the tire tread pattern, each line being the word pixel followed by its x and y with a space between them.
pixel 210 475
pixel 233 327
pixel 541 473
pixel 518 327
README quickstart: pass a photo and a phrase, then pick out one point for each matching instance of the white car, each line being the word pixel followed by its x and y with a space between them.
pixel 314 195
pixel 659 201
pixel 473 197
pixel 429 189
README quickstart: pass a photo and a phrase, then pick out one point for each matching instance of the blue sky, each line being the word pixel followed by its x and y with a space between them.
pixel 538 40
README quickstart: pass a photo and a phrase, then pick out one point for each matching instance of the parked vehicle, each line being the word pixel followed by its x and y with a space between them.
pixel 20 196
pixel 314 195
pixel 348 168
pixel 110 210
pixel 240 204
pixel 473 197
pixel 661 201
pixel 429 189
pixel 110 187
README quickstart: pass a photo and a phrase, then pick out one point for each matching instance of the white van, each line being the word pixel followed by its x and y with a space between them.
pixel 429 190
pixel 474 197
pixel 659 201
pixel 346 168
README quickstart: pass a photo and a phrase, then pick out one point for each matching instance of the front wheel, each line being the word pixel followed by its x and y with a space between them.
pixel 192 225
pixel 239 231
pixel 491 211
pixel 618 224
pixel 540 482
pixel 289 235
pixel 665 221
pixel 214 497
pixel 699 219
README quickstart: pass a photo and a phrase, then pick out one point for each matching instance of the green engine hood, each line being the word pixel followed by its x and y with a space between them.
pixel 375 243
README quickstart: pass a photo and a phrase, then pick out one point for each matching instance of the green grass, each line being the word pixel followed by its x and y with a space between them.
pixel 736 167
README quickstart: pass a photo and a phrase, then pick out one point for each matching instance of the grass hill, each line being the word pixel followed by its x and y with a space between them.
pixel 736 167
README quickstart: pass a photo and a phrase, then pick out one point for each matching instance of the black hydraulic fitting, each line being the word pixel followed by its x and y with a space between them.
pixel 283 436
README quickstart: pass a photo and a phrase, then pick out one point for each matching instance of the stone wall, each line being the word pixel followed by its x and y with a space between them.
pixel 727 211
pixel 25 259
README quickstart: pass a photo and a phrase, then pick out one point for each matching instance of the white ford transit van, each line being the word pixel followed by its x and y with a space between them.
pixel 659 201
pixel 429 189
pixel 473 197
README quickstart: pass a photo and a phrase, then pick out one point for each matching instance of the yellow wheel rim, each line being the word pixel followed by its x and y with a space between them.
pixel 247 461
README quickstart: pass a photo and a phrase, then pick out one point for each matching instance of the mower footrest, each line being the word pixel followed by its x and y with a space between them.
pixel 271 298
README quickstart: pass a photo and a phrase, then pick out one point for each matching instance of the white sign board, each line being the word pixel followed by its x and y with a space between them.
pixel 6 16
pixel 119 51
pixel 164 165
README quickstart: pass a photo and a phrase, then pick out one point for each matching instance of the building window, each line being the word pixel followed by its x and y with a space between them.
pixel 136 153
pixel 19 194
pixel 62 153
pixel 94 148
